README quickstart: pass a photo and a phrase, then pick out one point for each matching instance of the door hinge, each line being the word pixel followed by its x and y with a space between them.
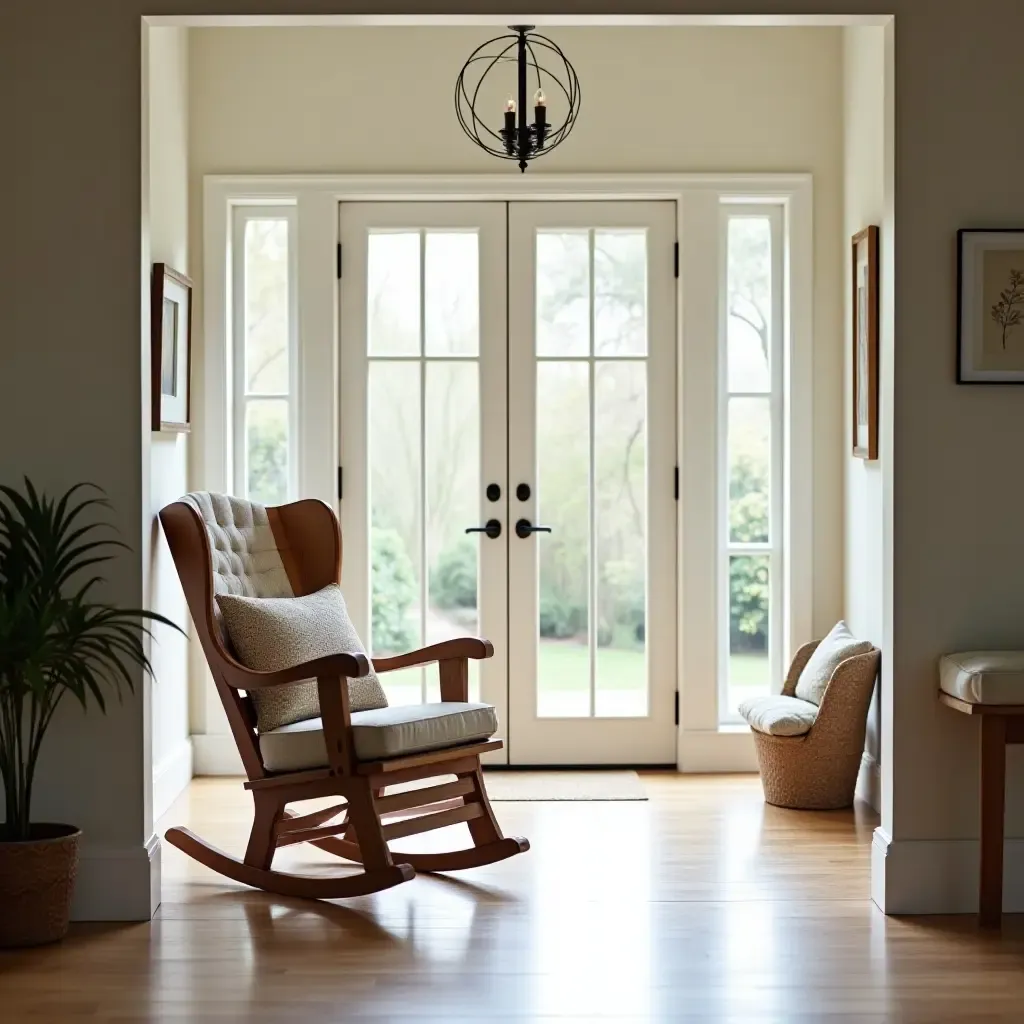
pixel 675 486
pixel 339 262
pixel 677 707
pixel 675 259
pixel 340 483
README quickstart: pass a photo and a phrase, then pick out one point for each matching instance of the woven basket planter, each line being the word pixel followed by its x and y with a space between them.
pixel 37 880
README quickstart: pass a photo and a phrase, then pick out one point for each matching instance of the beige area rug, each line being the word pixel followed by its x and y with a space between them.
pixel 511 786
pixel 524 786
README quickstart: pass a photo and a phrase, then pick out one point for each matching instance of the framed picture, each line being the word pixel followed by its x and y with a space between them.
pixel 990 306
pixel 865 344
pixel 171 328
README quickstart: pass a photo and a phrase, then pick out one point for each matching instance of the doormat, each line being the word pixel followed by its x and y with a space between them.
pixel 516 786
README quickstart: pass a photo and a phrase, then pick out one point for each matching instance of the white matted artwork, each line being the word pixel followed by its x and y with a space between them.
pixel 171 325
pixel 990 306
pixel 865 343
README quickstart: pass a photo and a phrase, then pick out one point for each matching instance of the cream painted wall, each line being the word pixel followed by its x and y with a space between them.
pixel 864 202
pixel 370 100
pixel 168 199
pixel 72 404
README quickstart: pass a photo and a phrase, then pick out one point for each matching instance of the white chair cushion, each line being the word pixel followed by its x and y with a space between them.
pixel 274 633
pixel 778 715
pixel 382 733
pixel 984 677
pixel 839 645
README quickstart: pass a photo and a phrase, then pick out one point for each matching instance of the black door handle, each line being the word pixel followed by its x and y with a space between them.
pixel 492 529
pixel 524 528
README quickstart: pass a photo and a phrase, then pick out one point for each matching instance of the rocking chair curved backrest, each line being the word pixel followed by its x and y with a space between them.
pixel 225 545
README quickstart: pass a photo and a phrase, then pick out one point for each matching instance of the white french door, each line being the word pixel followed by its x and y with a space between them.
pixel 508 369
pixel 592 629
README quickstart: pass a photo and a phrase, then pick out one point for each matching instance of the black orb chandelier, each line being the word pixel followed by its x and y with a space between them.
pixel 519 139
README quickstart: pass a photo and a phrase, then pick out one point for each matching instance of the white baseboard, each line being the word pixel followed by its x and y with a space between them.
pixel 117 883
pixel 712 751
pixel 215 754
pixel 869 782
pixel 938 876
pixel 171 776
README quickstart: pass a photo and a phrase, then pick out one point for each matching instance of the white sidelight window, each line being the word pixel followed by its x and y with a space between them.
pixel 263 353
pixel 750 452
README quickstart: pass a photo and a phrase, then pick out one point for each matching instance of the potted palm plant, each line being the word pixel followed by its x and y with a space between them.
pixel 57 639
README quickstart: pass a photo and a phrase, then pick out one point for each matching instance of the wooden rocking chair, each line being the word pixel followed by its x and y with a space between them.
pixel 210 537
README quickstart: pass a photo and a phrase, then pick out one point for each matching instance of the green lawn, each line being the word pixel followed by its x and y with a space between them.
pixel 565 666
pixel 565 669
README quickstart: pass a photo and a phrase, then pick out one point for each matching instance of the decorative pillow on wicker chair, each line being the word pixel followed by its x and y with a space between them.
pixel 839 645
pixel 274 633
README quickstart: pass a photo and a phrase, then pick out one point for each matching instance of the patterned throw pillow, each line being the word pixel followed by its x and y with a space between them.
pixel 274 633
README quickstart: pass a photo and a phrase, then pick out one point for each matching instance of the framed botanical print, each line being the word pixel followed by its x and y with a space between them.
pixel 171 329
pixel 990 306
pixel 865 343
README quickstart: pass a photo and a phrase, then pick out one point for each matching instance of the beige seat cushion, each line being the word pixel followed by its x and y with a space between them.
pixel 274 633
pixel 382 733
pixel 839 645
pixel 984 677
pixel 778 715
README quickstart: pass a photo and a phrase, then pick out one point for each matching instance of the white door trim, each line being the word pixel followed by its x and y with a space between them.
pixel 315 195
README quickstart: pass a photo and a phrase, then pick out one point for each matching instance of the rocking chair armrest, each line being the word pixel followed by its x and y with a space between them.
pixel 448 650
pixel 351 666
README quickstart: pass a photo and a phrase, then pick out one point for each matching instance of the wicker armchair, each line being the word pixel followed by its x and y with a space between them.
pixel 818 771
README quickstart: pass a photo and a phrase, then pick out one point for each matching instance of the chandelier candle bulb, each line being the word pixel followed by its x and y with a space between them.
pixel 510 116
pixel 540 116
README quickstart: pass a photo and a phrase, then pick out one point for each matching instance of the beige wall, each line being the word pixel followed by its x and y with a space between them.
pixel 864 205
pixel 678 99
pixel 74 363
pixel 168 239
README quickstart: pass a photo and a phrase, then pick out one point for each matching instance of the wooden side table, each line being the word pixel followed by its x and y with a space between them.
pixel 1001 724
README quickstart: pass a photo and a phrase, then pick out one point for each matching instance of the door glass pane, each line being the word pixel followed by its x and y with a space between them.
pixel 563 482
pixel 563 293
pixel 452 300
pixel 266 450
pixel 749 674
pixel 620 293
pixel 749 291
pixel 749 445
pixel 393 293
pixel 396 521
pixel 620 436
pixel 453 503
pixel 266 307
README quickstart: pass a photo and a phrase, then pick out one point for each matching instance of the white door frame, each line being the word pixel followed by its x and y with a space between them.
pixel 703 744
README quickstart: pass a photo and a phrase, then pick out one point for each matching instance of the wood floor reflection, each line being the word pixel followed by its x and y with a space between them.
pixel 701 904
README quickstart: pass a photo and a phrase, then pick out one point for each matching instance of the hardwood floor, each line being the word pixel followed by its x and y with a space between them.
pixel 702 904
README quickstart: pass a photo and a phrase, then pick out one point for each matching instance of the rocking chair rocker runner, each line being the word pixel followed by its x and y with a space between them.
pixel 224 545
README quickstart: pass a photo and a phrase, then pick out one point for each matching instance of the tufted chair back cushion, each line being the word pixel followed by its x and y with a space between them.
pixel 246 561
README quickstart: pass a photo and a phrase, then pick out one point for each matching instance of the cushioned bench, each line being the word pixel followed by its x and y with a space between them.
pixel 990 685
